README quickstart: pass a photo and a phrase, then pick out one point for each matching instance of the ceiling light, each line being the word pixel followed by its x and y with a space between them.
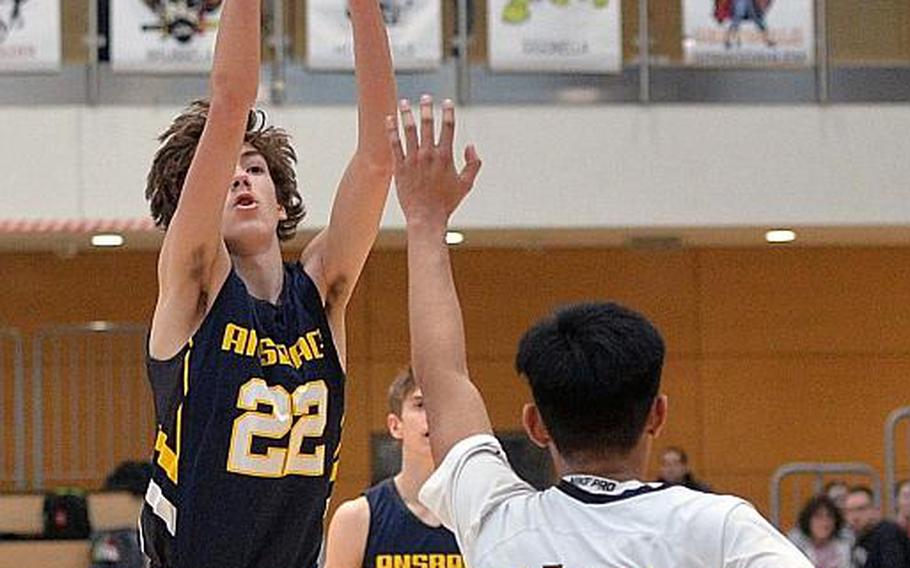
pixel 777 236
pixel 107 240
pixel 99 326
pixel 454 237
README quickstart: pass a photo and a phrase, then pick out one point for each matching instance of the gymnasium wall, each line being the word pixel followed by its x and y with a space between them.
pixel 775 354
pixel 580 167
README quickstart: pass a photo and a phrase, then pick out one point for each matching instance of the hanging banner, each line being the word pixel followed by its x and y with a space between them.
pixel 562 36
pixel 415 32
pixel 749 32
pixel 163 36
pixel 29 35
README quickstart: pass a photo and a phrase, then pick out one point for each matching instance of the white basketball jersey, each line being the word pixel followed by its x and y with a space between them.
pixel 591 522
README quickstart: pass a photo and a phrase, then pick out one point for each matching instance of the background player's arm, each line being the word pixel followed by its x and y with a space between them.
pixel 429 189
pixel 335 257
pixel 194 262
pixel 348 532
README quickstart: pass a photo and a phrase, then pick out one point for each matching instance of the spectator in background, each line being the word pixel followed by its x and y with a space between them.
pixel 674 470
pixel 902 496
pixel 817 534
pixel 837 491
pixel 879 543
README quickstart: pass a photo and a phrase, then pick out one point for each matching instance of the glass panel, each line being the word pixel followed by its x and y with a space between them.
pixel 75 29
pixel 665 26
pixel 870 50
pixel 870 32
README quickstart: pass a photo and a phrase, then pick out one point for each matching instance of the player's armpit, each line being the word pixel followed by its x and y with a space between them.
pixel 347 535
pixel 184 299
pixel 335 258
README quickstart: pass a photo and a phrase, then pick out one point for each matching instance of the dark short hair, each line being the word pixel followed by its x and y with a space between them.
pixel 862 489
pixel 594 370
pixel 683 456
pixel 178 146
pixel 813 506
pixel 402 386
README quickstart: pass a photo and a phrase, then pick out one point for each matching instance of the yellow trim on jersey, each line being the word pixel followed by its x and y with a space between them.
pixel 169 459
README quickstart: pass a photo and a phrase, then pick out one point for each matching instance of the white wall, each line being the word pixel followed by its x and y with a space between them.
pixel 611 166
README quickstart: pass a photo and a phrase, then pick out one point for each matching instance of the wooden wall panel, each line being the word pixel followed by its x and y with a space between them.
pixel 7 419
pixel 832 300
pixel 354 464
pixel 358 323
pixel 682 384
pixel 503 292
pixel 47 554
pixel 45 288
pixel 775 354
pixel 802 408
pixel 388 310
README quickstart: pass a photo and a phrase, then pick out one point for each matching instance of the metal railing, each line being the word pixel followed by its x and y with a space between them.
pixel 92 406
pixel 891 424
pixel 819 471
pixel 12 408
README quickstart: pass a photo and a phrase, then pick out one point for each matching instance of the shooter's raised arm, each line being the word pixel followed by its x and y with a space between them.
pixel 336 256
pixel 193 262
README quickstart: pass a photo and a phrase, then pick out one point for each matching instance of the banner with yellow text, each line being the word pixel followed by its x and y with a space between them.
pixel 561 36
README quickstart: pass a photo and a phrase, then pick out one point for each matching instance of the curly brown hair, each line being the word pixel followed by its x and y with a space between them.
pixel 178 145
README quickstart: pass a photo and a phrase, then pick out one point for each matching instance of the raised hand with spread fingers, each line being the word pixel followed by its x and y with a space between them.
pixel 428 183
pixel 430 188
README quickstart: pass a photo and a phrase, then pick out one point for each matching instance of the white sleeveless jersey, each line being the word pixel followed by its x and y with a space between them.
pixel 591 522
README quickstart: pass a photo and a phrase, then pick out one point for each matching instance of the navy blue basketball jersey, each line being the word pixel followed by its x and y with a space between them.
pixel 249 421
pixel 398 538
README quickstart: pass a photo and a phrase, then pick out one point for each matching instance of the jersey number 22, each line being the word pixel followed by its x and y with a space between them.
pixel 308 401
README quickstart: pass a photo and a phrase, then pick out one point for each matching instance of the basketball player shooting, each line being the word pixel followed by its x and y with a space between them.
pixel 246 354
pixel 594 371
